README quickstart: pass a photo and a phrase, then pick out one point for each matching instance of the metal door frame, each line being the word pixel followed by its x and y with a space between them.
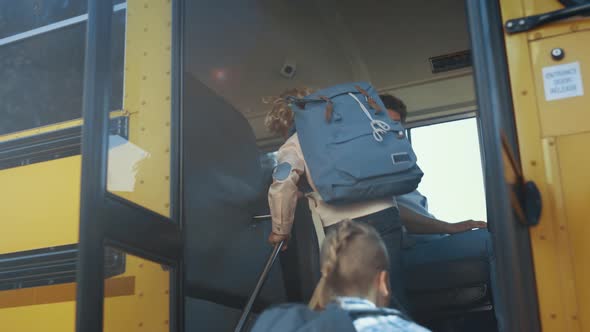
pixel 106 219
pixel 513 277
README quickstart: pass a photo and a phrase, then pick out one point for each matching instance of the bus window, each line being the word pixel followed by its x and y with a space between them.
pixel 29 17
pixel 45 69
pixel 449 155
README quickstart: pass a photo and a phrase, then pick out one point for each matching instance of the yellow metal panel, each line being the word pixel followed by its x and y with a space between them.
pixel 117 286
pixel 148 88
pixel 561 239
pixel 574 161
pixel 148 308
pixel 570 115
pixel 147 99
pixel 550 245
pixel 559 28
pixel 541 6
pixel 58 317
pixel 543 241
pixel 39 205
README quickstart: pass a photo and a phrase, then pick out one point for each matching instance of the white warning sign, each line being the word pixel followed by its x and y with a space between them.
pixel 563 81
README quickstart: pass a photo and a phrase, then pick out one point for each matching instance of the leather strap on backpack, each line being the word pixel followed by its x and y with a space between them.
pixel 370 99
pixel 329 108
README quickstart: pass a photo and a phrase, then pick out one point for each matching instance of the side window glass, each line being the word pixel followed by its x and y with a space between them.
pixel 45 70
pixel 28 17
pixel 449 155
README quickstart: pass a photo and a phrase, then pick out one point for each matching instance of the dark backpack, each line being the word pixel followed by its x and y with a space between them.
pixel 299 318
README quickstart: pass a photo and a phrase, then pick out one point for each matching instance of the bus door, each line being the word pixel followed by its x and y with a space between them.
pixel 531 61
pixel 129 190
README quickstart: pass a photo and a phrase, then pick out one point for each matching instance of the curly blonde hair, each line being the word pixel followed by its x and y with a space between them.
pixel 280 118
pixel 351 257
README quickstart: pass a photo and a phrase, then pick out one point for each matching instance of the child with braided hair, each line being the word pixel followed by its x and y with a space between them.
pixel 353 292
pixel 354 263
pixel 355 270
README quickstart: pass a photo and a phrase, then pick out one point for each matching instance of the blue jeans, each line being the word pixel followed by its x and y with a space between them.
pixel 388 224
pixel 452 261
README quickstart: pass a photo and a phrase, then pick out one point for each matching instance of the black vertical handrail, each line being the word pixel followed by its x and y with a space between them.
pixel 97 78
pixel 261 280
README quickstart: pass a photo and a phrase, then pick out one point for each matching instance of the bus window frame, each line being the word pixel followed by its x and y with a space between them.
pixel 440 119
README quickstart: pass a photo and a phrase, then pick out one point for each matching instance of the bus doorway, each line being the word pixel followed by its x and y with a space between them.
pixel 236 56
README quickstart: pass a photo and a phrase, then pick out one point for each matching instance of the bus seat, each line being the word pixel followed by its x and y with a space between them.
pixel 222 183
pixel 449 273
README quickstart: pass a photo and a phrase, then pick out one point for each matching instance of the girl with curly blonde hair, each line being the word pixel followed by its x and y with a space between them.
pixel 284 192
pixel 280 119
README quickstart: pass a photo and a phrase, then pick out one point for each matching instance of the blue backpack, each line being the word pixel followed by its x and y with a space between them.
pixel 353 149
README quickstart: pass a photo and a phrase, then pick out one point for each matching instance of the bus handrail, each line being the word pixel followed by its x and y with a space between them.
pixel 261 280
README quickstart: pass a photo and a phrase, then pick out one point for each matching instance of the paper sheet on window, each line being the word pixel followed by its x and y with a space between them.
pixel 124 159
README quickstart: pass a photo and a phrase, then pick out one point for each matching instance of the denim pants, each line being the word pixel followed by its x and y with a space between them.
pixel 388 224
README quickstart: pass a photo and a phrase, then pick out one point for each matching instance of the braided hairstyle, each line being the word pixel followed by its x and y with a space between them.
pixel 352 256
pixel 279 119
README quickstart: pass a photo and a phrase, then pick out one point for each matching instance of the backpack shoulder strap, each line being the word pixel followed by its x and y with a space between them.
pixel 317 221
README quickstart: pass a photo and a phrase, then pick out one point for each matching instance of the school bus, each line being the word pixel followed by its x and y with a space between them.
pixel 134 162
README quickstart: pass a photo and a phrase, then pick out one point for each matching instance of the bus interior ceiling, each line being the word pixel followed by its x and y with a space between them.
pixel 240 47
pixel 233 55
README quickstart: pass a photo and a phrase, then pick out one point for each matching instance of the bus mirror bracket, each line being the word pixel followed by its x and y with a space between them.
pixel 527 23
